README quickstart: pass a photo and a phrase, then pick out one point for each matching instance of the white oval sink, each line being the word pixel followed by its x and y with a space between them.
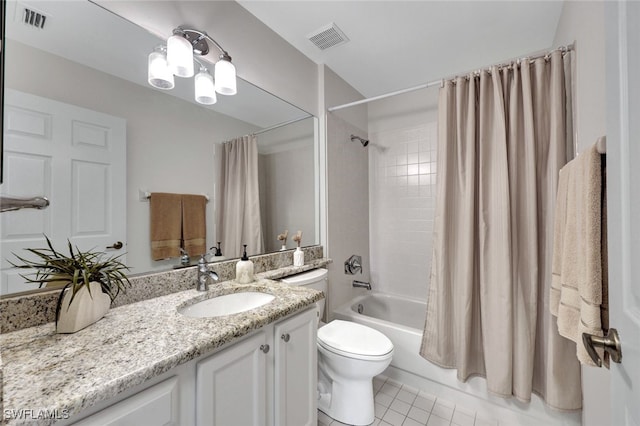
pixel 227 304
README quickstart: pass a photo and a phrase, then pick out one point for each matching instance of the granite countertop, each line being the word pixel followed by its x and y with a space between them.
pixel 43 370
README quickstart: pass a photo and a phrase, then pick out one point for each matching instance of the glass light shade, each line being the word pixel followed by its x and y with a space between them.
pixel 205 90
pixel 159 75
pixel 180 56
pixel 225 78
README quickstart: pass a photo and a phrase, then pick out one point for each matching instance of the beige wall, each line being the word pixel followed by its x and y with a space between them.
pixel 339 92
pixel 583 22
pixel 169 141
pixel 348 208
pixel 347 183
pixel 403 111
pixel 287 186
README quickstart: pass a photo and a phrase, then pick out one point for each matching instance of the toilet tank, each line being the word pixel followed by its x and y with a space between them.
pixel 315 279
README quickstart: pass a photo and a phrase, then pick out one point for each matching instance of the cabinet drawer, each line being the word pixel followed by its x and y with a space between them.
pixel 157 405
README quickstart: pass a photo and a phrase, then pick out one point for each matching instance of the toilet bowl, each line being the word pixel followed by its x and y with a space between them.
pixel 349 356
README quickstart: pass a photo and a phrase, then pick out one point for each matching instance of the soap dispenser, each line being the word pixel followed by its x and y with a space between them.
pixel 244 269
pixel 217 256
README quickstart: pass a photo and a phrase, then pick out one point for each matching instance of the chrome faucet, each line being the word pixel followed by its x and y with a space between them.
pixel 353 264
pixel 362 284
pixel 204 274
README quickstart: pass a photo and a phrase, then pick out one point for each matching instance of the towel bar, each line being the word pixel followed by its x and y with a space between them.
pixel 8 204
pixel 144 195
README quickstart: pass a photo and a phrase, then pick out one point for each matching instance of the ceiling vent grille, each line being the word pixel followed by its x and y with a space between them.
pixel 33 18
pixel 328 36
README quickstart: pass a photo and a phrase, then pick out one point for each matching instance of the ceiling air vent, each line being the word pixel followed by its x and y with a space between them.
pixel 328 36
pixel 33 18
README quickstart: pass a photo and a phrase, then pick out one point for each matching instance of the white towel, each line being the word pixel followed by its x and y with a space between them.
pixel 576 296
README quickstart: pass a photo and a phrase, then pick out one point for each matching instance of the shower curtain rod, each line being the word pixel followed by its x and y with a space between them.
pixel 563 49
pixel 275 126
pixel 386 95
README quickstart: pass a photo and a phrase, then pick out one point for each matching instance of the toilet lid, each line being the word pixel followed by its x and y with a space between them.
pixel 348 337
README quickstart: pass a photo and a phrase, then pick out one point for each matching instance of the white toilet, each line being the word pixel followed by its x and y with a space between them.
pixel 349 356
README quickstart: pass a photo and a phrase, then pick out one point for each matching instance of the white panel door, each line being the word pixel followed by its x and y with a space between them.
pixel 77 159
pixel 231 386
pixel 296 370
pixel 623 181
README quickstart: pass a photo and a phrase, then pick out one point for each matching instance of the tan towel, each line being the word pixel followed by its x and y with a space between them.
pixel 166 213
pixel 576 296
pixel 194 227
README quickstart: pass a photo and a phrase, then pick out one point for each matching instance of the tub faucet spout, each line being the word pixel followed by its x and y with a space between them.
pixel 362 284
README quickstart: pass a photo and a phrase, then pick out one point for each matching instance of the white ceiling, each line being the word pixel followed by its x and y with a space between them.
pixel 398 44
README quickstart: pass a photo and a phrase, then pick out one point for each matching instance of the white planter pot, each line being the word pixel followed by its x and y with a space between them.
pixel 85 309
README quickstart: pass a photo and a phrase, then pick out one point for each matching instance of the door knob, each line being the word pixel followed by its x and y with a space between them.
pixel 285 337
pixel 610 343
pixel 117 245
pixel 264 348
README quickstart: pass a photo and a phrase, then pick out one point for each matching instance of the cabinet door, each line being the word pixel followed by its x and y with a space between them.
pixel 157 405
pixel 231 385
pixel 296 371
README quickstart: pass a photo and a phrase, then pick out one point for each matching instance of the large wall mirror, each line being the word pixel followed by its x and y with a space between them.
pixel 78 74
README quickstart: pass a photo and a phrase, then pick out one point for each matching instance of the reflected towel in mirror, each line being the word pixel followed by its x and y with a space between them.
pixel 166 219
pixel 194 227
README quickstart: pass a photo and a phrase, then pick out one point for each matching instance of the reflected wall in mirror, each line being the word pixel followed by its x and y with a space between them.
pixel 97 101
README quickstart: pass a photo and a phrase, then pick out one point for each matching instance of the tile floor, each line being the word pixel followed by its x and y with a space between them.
pixel 397 404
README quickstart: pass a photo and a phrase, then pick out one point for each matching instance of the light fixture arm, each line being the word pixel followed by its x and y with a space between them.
pixel 198 40
pixel 201 64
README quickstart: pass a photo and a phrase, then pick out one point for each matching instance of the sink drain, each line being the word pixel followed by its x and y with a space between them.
pixel 360 308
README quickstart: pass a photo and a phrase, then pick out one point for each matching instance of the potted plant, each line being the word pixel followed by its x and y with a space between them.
pixel 90 283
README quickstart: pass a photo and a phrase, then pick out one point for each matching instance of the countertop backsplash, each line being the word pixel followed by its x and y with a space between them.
pixel 29 310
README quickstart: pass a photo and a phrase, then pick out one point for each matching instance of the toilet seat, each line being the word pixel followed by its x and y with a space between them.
pixel 354 340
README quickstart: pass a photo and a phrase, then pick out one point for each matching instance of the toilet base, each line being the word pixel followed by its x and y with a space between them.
pixel 350 403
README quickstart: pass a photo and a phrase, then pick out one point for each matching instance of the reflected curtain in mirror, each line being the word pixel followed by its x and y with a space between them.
pixel 238 202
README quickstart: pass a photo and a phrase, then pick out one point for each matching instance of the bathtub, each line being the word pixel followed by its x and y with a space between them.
pixel 401 319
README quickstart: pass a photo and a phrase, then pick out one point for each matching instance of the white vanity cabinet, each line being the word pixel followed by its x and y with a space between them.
pixel 266 379
pixel 231 386
pixel 296 371
pixel 167 400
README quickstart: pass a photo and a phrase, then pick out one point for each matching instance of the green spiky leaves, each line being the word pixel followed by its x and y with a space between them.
pixel 77 269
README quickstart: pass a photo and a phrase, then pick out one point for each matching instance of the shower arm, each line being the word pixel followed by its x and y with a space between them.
pixel 364 142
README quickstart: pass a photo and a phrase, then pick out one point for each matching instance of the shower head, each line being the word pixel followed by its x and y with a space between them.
pixel 364 142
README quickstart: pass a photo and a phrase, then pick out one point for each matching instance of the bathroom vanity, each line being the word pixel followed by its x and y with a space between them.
pixel 146 363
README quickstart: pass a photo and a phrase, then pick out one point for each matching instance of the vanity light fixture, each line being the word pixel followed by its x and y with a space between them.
pixel 159 74
pixel 178 58
pixel 205 89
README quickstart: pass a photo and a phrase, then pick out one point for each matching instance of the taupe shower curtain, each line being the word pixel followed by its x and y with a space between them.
pixel 503 135
pixel 238 201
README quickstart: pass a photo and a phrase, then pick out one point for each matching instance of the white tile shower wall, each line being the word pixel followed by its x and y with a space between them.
pixel 402 164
